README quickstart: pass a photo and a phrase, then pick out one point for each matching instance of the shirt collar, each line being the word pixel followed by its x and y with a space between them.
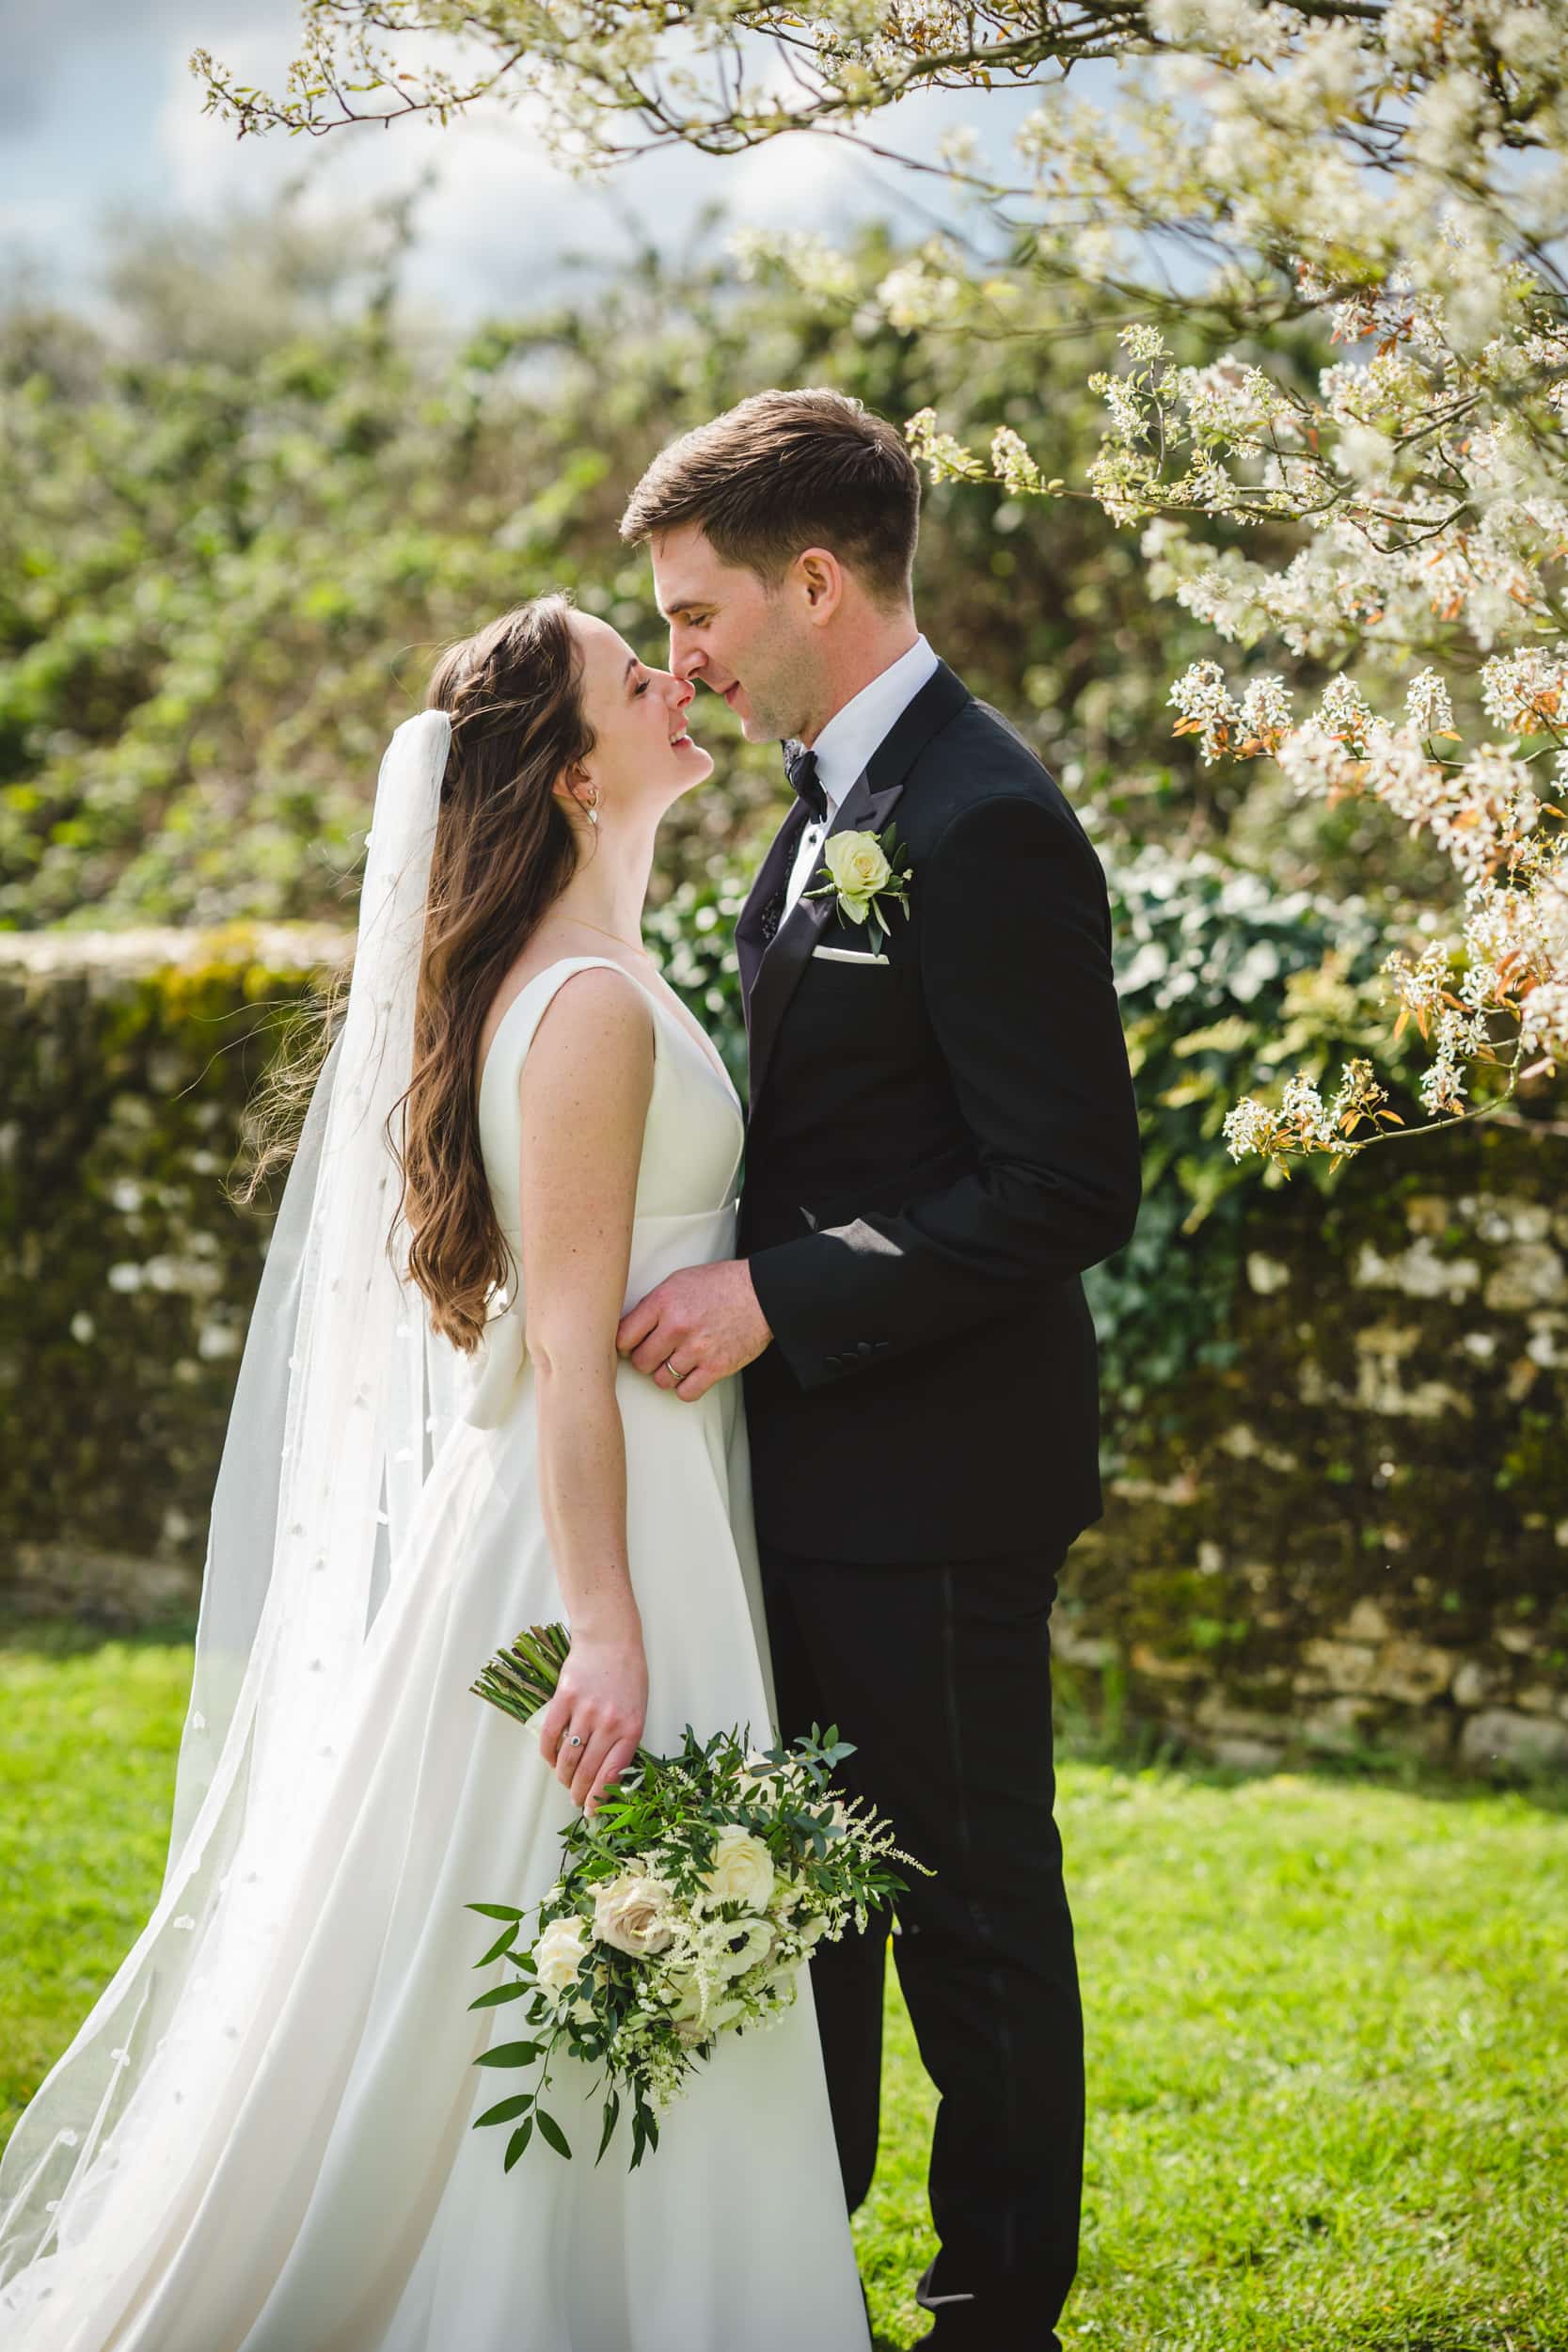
pixel 853 733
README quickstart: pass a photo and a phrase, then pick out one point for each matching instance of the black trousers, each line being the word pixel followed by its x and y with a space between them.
pixel 940 1675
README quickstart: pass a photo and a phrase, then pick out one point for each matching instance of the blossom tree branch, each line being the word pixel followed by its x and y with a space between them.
pixel 1395 173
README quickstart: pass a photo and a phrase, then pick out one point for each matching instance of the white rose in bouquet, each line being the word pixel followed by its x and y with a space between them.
pixel 632 1913
pixel 742 1870
pixel 560 1953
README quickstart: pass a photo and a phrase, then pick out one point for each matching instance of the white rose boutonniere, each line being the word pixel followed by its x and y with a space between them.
pixel 863 868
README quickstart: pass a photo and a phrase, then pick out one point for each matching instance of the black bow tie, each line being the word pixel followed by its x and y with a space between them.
pixel 800 768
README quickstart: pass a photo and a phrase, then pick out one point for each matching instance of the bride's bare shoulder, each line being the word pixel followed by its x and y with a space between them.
pixel 586 1078
pixel 577 988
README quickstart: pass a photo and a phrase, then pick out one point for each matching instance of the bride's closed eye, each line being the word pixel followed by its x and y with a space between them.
pixel 643 689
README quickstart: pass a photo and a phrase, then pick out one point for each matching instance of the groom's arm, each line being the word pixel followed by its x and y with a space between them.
pixel 1015 956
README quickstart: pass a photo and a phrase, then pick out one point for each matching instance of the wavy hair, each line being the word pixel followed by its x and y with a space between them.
pixel 504 851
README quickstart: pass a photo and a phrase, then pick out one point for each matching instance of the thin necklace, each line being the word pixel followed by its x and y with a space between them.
pixel 636 947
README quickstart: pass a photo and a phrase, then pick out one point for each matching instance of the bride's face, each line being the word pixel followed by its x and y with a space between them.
pixel 643 756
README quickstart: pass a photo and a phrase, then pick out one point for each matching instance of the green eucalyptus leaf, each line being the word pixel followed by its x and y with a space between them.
pixel 499 1993
pixel 509 2054
pixel 503 1943
pixel 507 2111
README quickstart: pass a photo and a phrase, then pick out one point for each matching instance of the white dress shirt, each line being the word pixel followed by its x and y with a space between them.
pixel 848 741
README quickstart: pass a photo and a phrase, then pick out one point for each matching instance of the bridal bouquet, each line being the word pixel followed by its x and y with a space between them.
pixel 683 1912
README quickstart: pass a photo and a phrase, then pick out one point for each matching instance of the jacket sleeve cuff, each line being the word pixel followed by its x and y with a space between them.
pixel 803 1294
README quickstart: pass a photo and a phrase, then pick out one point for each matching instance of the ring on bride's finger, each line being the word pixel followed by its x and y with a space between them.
pixel 574 1739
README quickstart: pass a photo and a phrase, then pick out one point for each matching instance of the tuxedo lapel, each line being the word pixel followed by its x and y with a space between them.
pixel 749 940
pixel 866 807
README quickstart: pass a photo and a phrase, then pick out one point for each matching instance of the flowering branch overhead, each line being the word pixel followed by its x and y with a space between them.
pixel 1391 176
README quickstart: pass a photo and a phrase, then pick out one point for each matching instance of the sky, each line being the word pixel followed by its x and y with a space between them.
pixel 99 115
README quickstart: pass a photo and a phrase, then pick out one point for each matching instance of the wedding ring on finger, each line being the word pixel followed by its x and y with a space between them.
pixel 574 1739
pixel 669 1366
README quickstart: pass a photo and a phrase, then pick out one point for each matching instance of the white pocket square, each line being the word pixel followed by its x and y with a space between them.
pixel 845 954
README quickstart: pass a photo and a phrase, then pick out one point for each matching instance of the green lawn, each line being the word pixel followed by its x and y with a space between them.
pixel 1327 2018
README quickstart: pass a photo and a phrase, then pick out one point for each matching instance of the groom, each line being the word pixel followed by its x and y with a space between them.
pixel 942 1136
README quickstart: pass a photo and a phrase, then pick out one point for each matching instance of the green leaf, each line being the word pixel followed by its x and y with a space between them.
pixel 612 2116
pixel 509 2054
pixel 507 2111
pixel 517 2142
pixel 503 1943
pixel 499 1993
pixel 550 2130
pixel 497 1911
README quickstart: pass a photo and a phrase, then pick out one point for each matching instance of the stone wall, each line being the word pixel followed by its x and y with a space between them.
pixel 1356 1536
pixel 1353 1538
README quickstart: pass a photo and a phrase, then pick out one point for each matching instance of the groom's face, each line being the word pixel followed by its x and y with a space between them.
pixel 731 631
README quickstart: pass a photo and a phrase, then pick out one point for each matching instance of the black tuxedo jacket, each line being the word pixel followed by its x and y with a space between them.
pixel 937 1146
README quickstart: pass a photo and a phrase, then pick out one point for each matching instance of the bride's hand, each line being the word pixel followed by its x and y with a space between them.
pixel 603 1697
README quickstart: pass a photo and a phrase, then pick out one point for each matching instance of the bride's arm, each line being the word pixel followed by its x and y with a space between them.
pixel 586 1081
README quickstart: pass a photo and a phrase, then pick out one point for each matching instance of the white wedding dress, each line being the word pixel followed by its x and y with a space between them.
pixel 299 2173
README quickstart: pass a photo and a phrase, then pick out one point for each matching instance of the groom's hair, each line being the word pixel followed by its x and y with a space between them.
pixel 786 471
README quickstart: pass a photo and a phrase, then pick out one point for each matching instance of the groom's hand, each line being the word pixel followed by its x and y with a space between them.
pixel 705 1321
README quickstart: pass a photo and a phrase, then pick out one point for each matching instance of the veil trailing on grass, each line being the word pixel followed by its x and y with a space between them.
pixel 345 1394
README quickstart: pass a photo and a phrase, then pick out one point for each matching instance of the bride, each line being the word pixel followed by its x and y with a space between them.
pixel 261 2139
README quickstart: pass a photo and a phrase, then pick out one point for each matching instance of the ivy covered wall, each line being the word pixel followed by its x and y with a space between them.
pixel 1336 1474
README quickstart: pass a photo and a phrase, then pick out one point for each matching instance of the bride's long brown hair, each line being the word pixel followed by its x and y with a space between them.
pixel 504 852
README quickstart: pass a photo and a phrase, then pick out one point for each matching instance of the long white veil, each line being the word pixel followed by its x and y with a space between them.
pixel 345 1396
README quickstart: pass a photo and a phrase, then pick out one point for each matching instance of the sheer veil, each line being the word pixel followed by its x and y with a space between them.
pixel 345 1396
